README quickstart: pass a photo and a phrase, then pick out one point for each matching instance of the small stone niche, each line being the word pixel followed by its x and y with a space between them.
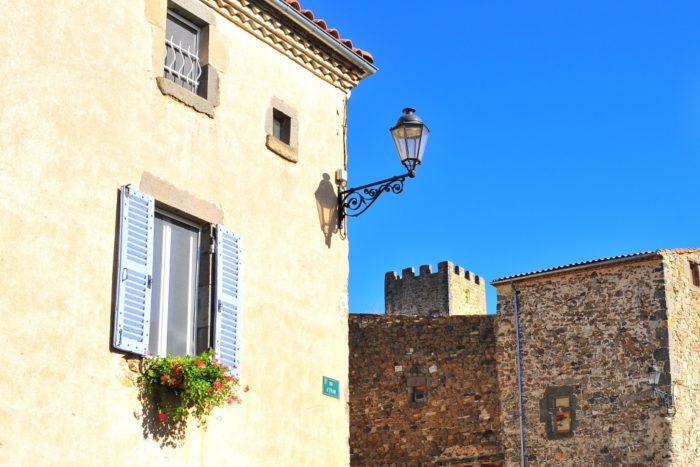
pixel 417 390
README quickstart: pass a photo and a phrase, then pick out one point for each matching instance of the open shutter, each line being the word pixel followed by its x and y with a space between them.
pixel 227 298
pixel 133 308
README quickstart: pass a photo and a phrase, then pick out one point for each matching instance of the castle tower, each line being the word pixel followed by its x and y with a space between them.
pixel 448 292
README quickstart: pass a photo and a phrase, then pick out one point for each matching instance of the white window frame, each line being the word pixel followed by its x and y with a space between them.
pixel 192 286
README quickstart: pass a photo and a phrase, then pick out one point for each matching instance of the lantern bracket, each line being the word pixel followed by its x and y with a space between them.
pixel 354 201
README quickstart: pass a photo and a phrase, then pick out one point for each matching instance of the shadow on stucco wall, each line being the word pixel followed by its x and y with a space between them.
pixel 168 433
pixel 327 206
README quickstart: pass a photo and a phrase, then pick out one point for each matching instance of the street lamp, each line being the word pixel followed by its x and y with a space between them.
pixel 653 376
pixel 410 135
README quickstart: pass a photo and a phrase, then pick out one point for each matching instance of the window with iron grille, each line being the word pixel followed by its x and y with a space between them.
pixel 182 52
pixel 187 76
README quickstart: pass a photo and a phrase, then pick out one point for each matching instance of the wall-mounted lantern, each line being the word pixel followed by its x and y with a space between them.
pixel 410 135
pixel 665 398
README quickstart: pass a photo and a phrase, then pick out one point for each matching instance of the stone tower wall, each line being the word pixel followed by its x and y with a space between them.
pixel 449 291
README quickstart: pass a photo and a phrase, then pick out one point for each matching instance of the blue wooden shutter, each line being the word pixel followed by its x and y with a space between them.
pixel 227 298
pixel 133 307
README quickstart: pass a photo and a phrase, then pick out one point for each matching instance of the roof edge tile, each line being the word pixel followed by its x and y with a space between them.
pixel 592 263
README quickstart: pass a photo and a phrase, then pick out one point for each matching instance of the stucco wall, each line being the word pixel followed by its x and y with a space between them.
pixel 459 422
pixel 82 115
pixel 596 331
pixel 684 343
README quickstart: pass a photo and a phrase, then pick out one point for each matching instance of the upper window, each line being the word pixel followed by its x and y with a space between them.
pixel 182 42
pixel 187 75
pixel 695 273
pixel 281 126
pixel 177 285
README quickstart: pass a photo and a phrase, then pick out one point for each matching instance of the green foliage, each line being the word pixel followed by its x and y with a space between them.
pixel 188 385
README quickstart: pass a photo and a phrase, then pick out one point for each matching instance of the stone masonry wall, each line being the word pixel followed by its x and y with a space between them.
pixel 459 422
pixel 684 344
pixel 594 331
pixel 449 291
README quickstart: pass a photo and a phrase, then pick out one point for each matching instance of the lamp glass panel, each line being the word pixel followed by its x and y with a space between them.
pixel 654 374
pixel 410 143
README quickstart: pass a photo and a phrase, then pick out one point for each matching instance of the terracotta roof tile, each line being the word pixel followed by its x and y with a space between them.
pixel 321 23
pixel 594 262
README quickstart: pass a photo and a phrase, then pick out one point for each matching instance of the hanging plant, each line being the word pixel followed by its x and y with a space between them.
pixel 188 385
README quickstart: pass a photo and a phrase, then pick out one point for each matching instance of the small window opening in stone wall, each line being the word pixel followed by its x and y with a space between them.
pixel 558 411
pixel 417 390
pixel 695 273
pixel 282 130
pixel 281 126
pixel 468 295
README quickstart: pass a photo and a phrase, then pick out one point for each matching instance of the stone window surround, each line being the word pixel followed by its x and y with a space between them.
pixel 203 17
pixel 546 412
pixel 289 151
pixel 174 200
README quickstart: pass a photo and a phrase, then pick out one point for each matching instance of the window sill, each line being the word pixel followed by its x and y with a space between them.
pixel 177 92
pixel 283 150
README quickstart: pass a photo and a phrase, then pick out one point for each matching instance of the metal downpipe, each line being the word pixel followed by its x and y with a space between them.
pixel 523 462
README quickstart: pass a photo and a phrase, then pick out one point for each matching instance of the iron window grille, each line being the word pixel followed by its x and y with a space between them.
pixel 182 63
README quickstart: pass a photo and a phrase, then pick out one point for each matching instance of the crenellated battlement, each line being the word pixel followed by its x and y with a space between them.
pixel 443 267
pixel 451 290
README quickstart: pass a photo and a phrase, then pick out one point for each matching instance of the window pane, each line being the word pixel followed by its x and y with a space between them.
pixel 562 401
pixel 174 286
pixel 281 126
pixel 183 280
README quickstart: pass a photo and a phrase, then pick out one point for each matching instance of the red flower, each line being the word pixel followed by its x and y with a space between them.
pixel 246 388
pixel 217 384
pixel 200 363
pixel 231 399
pixel 164 377
pixel 173 382
pixel 162 416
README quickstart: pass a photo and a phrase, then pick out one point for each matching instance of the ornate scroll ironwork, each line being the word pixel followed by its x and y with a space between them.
pixel 354 201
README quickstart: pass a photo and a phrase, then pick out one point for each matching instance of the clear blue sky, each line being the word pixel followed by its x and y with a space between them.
pixel 560 132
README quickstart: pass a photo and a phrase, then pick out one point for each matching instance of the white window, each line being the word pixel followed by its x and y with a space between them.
pixel 177 287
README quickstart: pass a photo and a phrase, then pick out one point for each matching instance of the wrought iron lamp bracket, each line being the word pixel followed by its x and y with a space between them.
pixel 666 399
pixel 354 201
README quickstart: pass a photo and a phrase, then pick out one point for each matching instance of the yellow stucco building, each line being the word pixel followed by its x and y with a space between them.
pixel 146 148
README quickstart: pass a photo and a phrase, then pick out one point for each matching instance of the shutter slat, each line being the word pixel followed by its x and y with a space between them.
pixel 227 298
pixel 133 307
